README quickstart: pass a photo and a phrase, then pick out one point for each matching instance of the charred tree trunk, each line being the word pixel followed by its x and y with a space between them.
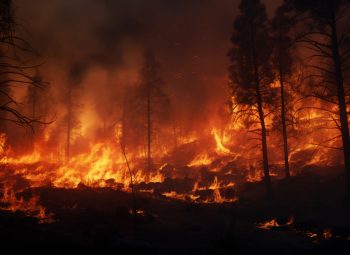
pixel 123 127
pixel 344 125
pixel 133 192
pixel 34 99
pixel 69 122
pixel 34 103
pixel 174 136
pixel 149 130
pixel 267 179
pixel 284 126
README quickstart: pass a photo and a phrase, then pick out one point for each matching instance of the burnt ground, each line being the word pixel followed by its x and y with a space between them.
pixel 98 221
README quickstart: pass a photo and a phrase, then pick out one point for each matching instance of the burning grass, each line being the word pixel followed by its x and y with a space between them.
pixel 31 207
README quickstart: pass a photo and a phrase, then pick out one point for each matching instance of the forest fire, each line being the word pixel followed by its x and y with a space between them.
pixel 131 127
pixel 103 165
pixel 216 163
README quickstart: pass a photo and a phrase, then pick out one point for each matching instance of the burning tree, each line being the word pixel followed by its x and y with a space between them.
pixel 251 72
pixel 72 121
pixel 145 107
pixel 282 62
pixel 325 31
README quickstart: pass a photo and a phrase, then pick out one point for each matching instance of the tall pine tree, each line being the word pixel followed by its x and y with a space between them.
pixel 251 72
pixel 326 32
pixel 282 62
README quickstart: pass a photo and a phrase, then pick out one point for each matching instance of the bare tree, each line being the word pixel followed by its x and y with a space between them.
pixel 13 70
pixel 325 30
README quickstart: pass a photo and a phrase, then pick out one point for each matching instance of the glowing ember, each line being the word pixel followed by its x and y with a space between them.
pixel 273 224
pixel 138 212
pixel 327 234
pixel 268 224
pixel 311 234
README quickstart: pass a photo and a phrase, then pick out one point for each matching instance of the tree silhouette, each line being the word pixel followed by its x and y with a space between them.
pixel 282 62
pixel 74 81
pixel 326 32
pixel 145 107
pixel 13 71
pixel 251 72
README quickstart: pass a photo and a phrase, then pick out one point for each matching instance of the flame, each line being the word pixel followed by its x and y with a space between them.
pixel 224 149
pixel 273 224
pixel 326 234
pixel 26 159
pixel 201 160
pixel 29 207
pixel 220 148
pixel 175 195
pixel 215 187
pixel 256 177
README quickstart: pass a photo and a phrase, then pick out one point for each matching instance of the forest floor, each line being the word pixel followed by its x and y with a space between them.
pixel 310 211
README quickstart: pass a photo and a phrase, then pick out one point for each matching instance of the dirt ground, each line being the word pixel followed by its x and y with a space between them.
pixel 99 221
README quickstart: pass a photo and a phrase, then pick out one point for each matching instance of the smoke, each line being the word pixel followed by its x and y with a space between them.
pixel 99 45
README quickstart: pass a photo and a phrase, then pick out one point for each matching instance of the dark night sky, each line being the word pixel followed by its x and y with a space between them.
pixel 189 37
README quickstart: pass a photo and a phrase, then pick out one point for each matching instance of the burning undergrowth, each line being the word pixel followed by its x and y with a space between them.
pixel 29 204
pixel 206 169
pixel 210 166
pixel 316 234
